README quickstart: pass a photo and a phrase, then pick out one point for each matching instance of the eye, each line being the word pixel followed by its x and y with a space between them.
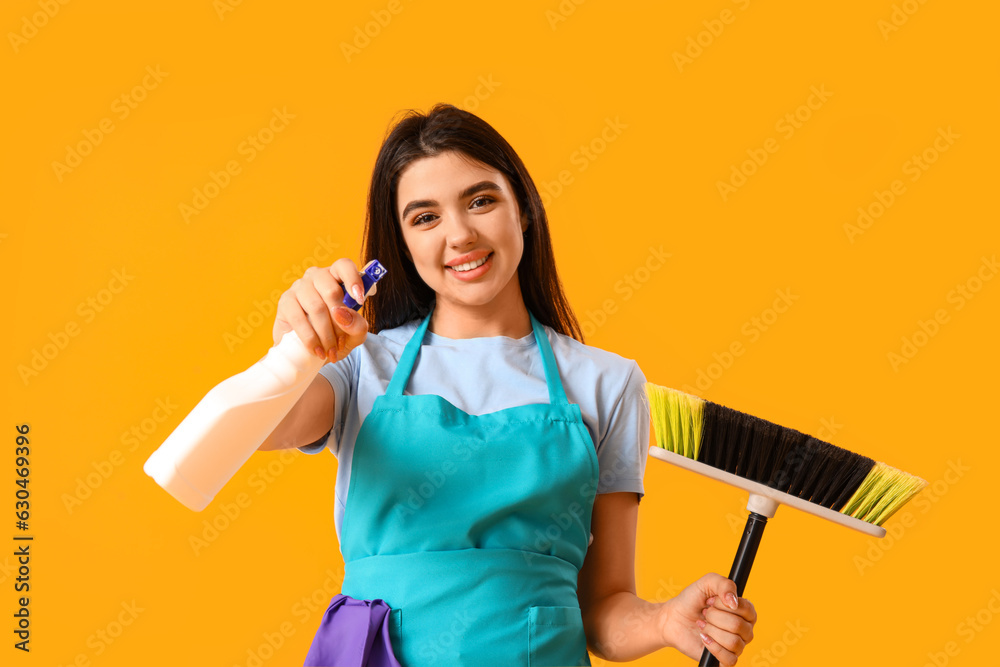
pixel 485 199
pixel 420 219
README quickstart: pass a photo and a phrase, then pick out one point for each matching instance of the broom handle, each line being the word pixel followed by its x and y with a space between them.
pixel 752 533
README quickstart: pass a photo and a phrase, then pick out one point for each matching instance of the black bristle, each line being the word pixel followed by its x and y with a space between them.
pixel 813 471
pixel 846 479
pixel 827 467
pixel 775 454
pixel 765 441
pixel 736 437
pixel 799 463
pixel 788 441
pixel 745 452
pixel 780 457
pixel 834 461
pixel 834 475
pixel 821 465
pixel 710 449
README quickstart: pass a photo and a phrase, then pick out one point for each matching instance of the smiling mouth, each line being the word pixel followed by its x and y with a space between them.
pixel 468 266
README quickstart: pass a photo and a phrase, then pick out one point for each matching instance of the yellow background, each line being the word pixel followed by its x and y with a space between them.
pixel 550 77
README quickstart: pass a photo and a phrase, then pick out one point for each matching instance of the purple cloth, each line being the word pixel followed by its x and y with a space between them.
pixel 353 633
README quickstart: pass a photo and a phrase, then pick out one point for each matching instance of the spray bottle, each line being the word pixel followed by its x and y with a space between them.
pixel 228 425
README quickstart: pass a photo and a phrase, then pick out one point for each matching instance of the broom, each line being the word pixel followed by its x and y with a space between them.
pixel 778 466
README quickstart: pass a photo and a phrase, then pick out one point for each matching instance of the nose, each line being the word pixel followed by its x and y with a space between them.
pixel 460 231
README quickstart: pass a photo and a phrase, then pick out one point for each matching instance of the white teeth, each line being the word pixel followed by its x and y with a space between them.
pixel 468 266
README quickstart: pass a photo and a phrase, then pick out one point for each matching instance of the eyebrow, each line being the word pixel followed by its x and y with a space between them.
pixel 467 192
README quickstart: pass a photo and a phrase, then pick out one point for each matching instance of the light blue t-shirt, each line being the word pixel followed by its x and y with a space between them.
pixel 483 375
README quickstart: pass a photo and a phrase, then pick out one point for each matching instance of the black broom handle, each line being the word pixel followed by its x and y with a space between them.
pixel 740 572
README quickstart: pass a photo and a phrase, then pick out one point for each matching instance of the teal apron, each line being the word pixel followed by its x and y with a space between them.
pixel 472 528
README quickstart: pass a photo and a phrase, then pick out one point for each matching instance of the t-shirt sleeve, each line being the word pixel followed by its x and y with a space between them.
pixel 621 454
pixel 343 378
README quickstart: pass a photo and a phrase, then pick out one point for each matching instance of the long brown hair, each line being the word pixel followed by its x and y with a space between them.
pixel 402 294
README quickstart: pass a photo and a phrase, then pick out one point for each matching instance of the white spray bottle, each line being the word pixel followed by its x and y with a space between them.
pixel 228 425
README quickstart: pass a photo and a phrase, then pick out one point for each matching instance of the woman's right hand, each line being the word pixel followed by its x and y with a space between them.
pixel 313 307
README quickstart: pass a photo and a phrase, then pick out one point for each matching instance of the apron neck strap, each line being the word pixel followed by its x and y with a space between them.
pixel 408 359
pixel 557 396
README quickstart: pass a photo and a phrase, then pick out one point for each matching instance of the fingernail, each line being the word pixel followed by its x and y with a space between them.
pixel 358 295
pixel 731 601
pixel 331 356
pixel 344 316
pixel 319 352
pixel 701 624
pixel 341 341
pixel 711 601
pixel 705 638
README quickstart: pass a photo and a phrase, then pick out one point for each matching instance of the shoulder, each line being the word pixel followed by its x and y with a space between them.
pixel 583 366
pixel 593 358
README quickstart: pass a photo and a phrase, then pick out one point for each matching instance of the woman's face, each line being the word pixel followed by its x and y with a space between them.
pixel 463 229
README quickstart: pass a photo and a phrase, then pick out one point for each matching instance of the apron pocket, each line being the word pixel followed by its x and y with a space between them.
pixel 556 637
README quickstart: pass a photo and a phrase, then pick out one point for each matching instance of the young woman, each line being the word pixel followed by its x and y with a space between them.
pixel 489 463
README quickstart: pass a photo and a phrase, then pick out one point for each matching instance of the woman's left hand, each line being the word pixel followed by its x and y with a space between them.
pixel 708 614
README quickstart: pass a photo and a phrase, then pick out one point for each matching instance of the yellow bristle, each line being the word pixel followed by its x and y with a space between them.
pixel 883 491
pixel 694 406
pixel 657 396
pixel 676 418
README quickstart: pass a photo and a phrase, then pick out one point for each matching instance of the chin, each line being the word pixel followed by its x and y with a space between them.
pixel 470 299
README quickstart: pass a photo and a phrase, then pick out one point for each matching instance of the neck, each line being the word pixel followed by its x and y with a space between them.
pixel 504 316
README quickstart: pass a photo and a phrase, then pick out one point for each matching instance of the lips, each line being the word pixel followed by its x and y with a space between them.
pixel 469 257
pixel 469 266
pixel 481 267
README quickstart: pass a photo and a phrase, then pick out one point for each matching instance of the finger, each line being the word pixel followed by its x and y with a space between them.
pixel 715 647
pixel 346 272
pixel 747 610
pixel 744 608
pixel 327 285
pixel 353 325
pixel 291 311
pixel 730 622
pixel 722 589
pixel 330 285
pixel 319 315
